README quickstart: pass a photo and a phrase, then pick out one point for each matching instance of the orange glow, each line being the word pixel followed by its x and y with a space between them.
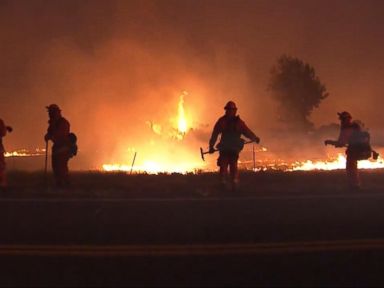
pixel 168 149
pixel 25 153
pixel 266 161
pixel 182 121
pixel 338 163
pixel 153 167
pixel 149 161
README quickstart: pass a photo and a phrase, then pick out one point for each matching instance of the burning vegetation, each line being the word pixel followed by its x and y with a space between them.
pixel 171 149
pixel 167 150
pixel 117 69
pixel 176 134
pixel 25 153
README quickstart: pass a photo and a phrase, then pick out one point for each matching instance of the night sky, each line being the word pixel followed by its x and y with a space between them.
pixel 114 65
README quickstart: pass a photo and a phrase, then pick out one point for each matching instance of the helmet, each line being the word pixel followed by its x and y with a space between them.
pixel 344 115
pixel 53 107
pixel 230 105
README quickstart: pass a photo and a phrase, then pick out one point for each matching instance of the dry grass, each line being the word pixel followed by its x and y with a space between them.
pixel 120 185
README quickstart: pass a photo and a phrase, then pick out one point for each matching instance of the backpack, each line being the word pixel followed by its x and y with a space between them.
pixel 230 138
pixel 360 143
pixel 72 144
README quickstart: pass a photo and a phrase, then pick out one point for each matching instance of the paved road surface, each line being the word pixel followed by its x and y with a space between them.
pixel 245 241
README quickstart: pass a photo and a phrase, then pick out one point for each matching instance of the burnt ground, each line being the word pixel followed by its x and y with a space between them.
pixel 120 185
pixel 279 229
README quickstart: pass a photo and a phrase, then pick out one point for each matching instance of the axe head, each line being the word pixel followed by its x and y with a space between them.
pixel 202 153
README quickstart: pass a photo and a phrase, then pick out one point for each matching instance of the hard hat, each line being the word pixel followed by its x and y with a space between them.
pixel 53 107
pixel 230 105
pixel 344 115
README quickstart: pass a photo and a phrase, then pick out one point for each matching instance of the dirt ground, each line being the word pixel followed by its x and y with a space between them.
pixel 121 185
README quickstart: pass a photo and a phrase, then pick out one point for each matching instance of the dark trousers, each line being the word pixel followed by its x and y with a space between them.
pixel 60 158
pixel 228 159
pixel 352 172
pixel 3 180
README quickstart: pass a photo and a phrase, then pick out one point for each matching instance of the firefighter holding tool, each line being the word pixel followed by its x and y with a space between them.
pixel 357 140
pixel 58 132
pixel 231 128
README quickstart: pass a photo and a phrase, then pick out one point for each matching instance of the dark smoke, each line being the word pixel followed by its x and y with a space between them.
pixel 114 65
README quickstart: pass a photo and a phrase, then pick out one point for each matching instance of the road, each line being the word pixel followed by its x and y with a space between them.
pixel 302 240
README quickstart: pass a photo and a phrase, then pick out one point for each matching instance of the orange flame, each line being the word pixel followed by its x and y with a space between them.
pixel 182 121
pixel 266 161
pixel 25 153
pixel 338 163
pixel 169 151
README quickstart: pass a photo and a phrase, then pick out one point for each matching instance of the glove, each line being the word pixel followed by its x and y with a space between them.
pixel 9 128
pixel 257 140
pixel 211 150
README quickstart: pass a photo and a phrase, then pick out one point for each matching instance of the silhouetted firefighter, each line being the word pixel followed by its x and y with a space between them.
pixel 231 127
pixel 62 150
pixel 3 131
pixel 357 140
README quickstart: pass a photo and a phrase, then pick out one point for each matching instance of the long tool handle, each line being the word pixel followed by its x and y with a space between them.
pixel 254 157
pixel 46 164
pixel 133 162
pixel 202 153
pixel 46 157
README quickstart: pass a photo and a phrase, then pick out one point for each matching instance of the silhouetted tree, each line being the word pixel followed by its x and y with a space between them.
pixel 297 89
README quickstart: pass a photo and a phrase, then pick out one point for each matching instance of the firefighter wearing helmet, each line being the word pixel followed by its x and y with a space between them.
pixel 3 131
pixel 230 127
pixel 58 132
pixel 349 136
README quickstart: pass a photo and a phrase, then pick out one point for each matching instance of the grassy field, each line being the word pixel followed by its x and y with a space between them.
pixel 120 185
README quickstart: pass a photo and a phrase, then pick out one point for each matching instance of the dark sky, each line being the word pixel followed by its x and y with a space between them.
pixel 113 65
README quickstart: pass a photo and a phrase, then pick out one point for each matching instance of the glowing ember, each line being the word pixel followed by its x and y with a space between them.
pixel 168 149
pixel 155 161
pixel 338 163
pixel 153 167
pixel 270 162
pixel 25 153
pixel 116 167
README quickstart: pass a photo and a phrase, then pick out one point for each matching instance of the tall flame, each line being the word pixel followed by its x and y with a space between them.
pixel 182 121
pixel 170 151
pixel 167 151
